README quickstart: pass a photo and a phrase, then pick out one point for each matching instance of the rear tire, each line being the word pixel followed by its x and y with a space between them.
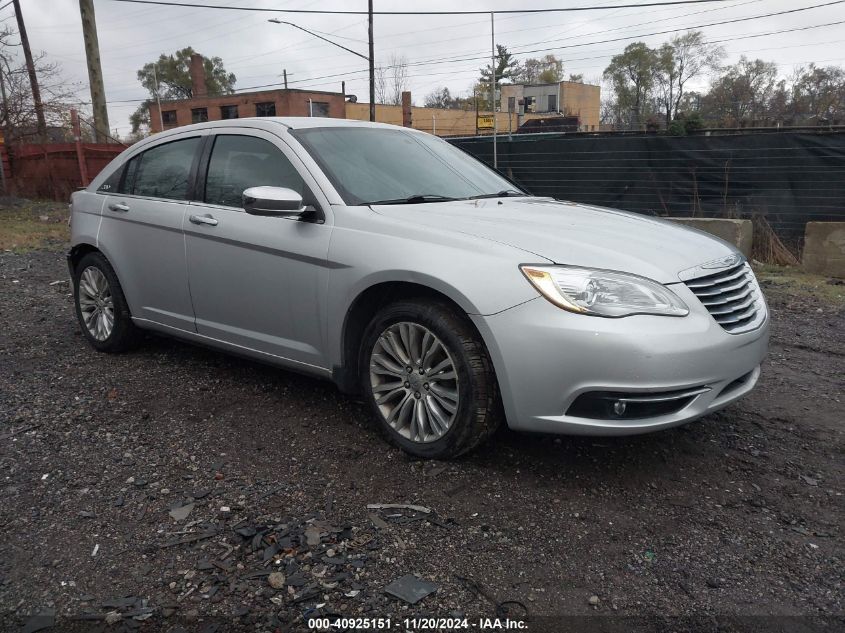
pixel 428 378
pixel 101 307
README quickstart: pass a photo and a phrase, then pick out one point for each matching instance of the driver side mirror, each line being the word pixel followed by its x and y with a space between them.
pixel 272 201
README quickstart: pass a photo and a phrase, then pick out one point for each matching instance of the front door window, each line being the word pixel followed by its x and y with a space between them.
pixel 240 162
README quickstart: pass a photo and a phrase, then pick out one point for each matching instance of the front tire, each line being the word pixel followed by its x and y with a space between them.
pixel 427 376
pixel 101 308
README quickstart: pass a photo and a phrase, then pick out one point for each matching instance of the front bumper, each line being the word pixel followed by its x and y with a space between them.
pixel 546 357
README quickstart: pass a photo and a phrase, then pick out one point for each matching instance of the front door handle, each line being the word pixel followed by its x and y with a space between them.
pixel 203 219
pixel 119 206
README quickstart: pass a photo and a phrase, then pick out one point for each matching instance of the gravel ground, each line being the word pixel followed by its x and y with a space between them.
pixel 159 489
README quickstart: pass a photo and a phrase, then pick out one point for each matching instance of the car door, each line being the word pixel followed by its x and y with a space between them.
pixel 141 231
pixel 257 282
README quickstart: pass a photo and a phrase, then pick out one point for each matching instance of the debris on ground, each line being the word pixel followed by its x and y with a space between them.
pixel 281 471
pixel 398 506
pixel 181 513
pixel 410 588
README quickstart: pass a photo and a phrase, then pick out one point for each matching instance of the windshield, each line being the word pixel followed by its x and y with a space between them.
pixel 380 165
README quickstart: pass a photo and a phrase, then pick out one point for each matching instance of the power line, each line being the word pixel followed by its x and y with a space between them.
pixel 633 37
pixel 460 59
pixel 483 57
pixel 719 23
pixel 474 12
pixel 356 72
pixel 429 42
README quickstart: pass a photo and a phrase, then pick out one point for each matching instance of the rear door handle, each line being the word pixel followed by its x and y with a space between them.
pixel 203 219
pixel 119 206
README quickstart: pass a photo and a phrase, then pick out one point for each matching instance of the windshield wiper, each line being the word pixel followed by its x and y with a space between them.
pixel 415 199
pixel 501 194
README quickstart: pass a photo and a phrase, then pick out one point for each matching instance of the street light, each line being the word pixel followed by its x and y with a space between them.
pixel 369 57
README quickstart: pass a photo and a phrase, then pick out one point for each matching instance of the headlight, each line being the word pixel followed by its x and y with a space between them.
pixel 603 292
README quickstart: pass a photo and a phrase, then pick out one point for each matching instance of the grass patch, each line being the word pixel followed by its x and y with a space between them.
pixel 793 282
pixel 32 224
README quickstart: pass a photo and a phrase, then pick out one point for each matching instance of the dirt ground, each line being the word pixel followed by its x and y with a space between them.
pixel 158 490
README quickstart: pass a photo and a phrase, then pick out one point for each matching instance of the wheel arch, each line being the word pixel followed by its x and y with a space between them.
pixel 78 251
pixel 361 311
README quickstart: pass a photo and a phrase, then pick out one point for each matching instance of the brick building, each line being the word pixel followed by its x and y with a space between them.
pixel 563 99
pixel 279 102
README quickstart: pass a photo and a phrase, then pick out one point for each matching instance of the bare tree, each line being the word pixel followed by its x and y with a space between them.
pixel 17 110
pixel 392 80
pixel 381 84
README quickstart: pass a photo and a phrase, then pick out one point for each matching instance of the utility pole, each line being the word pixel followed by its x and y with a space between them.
pixel 493 84
pixel 30 68
pixel 95 71
pixel 372 65
pixel 476 97
pixel 285 75
pixel 5 122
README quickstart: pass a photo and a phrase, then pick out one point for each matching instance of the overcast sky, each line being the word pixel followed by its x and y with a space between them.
pixel 257 51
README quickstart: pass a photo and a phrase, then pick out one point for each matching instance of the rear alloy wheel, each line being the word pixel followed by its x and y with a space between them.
pixel 428 378
pixel 96 303
pixel 101 308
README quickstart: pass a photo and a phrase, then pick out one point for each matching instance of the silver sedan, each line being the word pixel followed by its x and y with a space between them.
pixel 397 266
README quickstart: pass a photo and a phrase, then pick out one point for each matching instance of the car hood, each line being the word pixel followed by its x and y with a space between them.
pixel 574 234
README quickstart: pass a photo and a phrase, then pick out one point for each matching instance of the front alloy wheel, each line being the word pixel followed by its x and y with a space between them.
pixel 427 376
pixel 414 382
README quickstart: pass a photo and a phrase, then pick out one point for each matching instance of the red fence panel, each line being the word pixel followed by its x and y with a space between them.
pixel 52 170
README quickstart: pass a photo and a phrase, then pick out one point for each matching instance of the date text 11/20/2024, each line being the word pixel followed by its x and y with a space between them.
pixel 416 624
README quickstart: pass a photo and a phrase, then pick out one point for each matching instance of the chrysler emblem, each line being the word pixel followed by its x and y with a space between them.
pixel 723 262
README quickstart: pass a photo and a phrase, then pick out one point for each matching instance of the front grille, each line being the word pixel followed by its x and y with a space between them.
pixel 732 297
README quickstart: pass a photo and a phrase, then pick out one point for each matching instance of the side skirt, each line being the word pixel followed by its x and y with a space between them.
pixel 237 350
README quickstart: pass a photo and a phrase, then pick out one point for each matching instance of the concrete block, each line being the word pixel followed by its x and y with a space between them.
pixel 824 248
pixel 740 233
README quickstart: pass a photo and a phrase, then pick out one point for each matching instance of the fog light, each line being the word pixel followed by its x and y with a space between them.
pixel 619 407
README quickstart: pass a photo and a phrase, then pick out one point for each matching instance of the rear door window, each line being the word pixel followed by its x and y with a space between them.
pixel 163 171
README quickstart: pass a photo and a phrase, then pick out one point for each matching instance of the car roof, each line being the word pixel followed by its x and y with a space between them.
pixel 300 122
pixel 269 122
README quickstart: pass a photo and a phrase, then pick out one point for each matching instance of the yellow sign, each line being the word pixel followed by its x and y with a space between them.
pixel 485 122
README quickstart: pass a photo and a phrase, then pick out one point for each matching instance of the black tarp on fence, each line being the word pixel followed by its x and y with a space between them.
pixel 790 177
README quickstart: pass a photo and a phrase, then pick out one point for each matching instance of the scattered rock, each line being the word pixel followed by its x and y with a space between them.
pixel 276 580
pixel 113 617
pixel 377 521
pixel 810 481
pixel 312 535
